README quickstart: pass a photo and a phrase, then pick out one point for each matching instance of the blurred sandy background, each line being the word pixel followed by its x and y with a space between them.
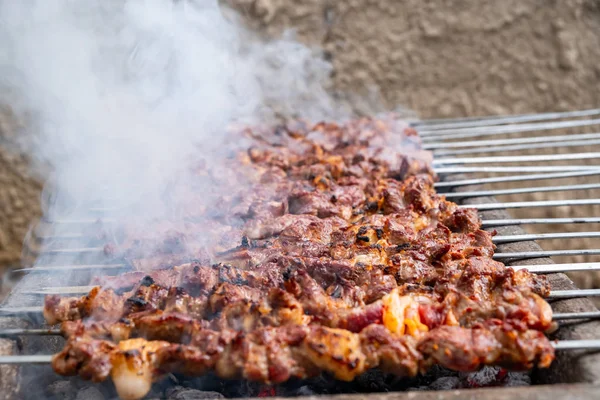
pixel 441 59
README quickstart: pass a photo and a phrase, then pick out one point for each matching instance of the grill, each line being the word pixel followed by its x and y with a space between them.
pixel 67 259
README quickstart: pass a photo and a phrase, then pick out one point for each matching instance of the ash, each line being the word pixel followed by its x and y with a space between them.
pixel 211 387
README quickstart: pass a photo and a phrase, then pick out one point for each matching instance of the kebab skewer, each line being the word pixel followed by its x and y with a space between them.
pixel 341 244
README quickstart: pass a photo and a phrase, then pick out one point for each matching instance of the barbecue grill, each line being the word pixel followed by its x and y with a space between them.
pixel 72 258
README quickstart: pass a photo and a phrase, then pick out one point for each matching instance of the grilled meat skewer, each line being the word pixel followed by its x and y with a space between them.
pixel 273 355
pixel 322 248
pixel 305 301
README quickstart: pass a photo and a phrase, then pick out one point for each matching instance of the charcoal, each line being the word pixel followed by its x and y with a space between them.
pixel 62 390
pixel 182 393
pixel 305 391
pixel 517 379
pixel 372 381
pixel 487 376
pixel 445 383
pixel 438 371
pixel 89 393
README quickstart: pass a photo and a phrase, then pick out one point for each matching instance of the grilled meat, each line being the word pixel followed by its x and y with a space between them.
pixel 304 301
pixel 495 342
pixel 270 355
pixel 274 355
pixel 325 248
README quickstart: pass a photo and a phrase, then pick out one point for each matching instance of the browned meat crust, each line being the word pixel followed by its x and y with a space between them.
pixel 328 250
pixel 275 354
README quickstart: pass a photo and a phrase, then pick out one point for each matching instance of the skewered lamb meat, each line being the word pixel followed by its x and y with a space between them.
pixel 326 250
pixel 275 354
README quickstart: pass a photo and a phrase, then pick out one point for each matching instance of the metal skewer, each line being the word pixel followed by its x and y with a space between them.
pixel 530 221
pixel 576 315
pixel 61 236
pixel 590 344
pixel 499 192
pixel 515 178
pixel 522 158
pixel 555 294
pixel 546 253
pixel 21 310
pixel 82 290
pixel 80 250
pixel 463 133
pixel 556 316
pixel 82 221
pixel 64 290
pixel 496 239
pixel 42 359
pixel 543 236
pixel 556 268
pixel 530 204
pixel 567 294
pixel 446 123
pixel 495 143
pixel 521 168
pixel 29 332
pixel 517 147
pixel 26 360
pixel 59 268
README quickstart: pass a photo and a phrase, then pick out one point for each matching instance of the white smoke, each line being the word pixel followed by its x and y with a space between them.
pixel 121 94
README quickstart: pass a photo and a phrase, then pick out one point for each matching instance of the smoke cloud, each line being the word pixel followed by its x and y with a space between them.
pixel 121 96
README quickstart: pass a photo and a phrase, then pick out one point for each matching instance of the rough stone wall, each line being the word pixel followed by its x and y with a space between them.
pixel 439 58
pixel 455 57
pixel 19 193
